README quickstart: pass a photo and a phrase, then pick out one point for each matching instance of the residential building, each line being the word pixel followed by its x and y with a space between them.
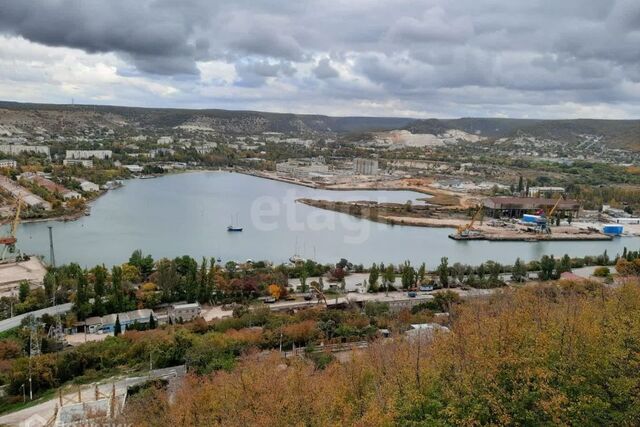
pixel 15 149
pixel 8 163
pixel 164 140
pixel 184 312
pixel 365 166
pixel 89 154
pixel 87 163
pixel 545 191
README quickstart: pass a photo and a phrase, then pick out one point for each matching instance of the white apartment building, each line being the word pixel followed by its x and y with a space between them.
pixel 89 154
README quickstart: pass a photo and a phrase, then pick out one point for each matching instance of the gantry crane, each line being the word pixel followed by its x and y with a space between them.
pixel 464 230
pixel 9 242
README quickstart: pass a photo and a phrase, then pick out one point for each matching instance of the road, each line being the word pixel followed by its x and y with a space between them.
pixel 46 409
pixel 14 321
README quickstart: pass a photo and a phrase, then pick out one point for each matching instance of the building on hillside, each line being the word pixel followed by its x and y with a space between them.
pixel 164 140
pixel 365 167
pixel 88 186
pixel 133 168
pixel 515 207
pixel 8 163
pixel 179 313
pixel 89 154
pixel 548 192
pixel 15 149
pixel 87 163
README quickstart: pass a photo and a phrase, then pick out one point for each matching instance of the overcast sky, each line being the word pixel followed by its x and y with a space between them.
pixel 418 58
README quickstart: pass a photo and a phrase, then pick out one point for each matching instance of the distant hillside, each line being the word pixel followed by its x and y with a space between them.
pixel 615 133
pixel 19 118
pixel 56 117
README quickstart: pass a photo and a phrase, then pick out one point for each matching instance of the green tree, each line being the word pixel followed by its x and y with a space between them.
pixel 374 274
pixel 422 273
pixel 520 184
pixel 443 271
pixel 23 291
pixel 99 285
pixel 144 264
pixel 204 288
pixel 82 307
pixel 389 278
pixel 564 265
pixel 547 266
pixel 117 289
pixel 519 272
pixel 117 329
pixel 408 275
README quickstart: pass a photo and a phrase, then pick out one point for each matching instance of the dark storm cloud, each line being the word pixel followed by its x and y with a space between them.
pixel 401 51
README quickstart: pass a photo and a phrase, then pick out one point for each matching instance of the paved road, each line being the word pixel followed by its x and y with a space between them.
pixel 46 409
pixel 16 320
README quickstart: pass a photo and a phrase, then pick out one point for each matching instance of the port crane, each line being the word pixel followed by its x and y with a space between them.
pixel 542 224
pixel 465 230
pixel 9 242
pixel 319 294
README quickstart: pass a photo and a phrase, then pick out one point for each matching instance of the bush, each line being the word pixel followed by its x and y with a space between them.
pixel 602 272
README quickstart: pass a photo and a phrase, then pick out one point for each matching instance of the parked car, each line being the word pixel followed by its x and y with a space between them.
pixel 412 294
pixel 269 300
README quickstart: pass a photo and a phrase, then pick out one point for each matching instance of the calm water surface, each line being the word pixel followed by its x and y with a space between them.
pixel 189 214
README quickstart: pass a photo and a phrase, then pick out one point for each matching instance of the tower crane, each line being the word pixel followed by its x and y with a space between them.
pixel 9 242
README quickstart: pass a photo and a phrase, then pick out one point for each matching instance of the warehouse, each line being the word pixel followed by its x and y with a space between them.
pixel 515 207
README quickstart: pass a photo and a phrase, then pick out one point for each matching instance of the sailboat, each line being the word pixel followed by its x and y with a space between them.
pixel 232 227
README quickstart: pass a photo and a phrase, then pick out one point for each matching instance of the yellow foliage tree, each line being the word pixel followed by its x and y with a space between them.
pixel 275 290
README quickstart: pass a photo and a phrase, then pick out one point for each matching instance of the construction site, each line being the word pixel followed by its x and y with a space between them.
pixel 16 267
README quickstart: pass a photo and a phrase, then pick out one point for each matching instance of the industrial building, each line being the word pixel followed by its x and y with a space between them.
pixel 89 154
pixel 303 168
pixel 52 186
pixel 365 166
pixel 27 197
pixel 516 207
pixel 107 324
pixel 184 312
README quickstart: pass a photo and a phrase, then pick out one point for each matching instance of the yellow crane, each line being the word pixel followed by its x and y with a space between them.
pixel 9 241
pixel 543 222
pixel 464 229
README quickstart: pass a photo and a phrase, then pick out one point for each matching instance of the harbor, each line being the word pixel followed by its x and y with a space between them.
pixel 189 213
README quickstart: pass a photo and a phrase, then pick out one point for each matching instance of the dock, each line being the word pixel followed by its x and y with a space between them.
pixel 533 237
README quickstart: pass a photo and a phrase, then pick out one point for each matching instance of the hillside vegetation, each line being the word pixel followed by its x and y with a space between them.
pixel 562 354
pixel 20 117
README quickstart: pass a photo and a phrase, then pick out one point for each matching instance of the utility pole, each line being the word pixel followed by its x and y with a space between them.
pixel 52 256
pixel 34 350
